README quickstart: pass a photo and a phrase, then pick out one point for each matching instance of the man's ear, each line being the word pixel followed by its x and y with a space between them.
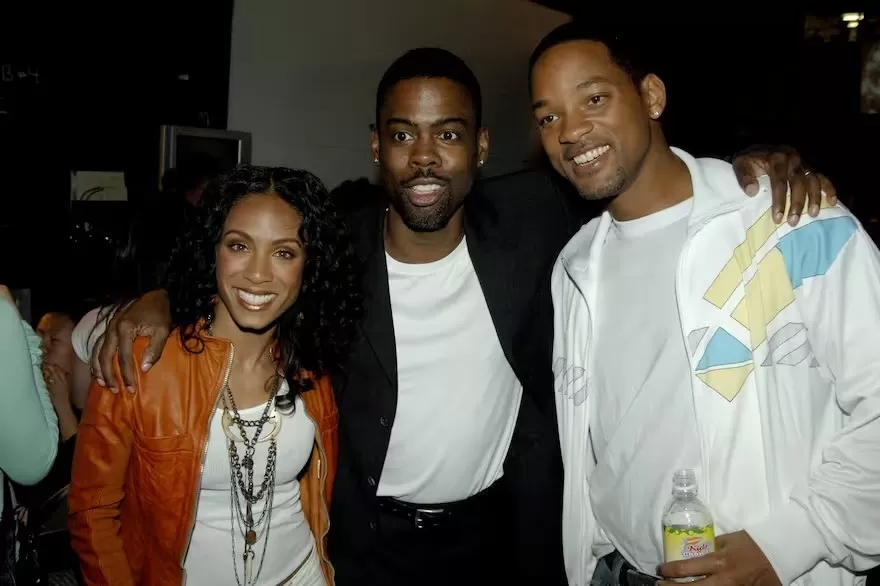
pixel 374 143
pixel 653 95
pixel 482 146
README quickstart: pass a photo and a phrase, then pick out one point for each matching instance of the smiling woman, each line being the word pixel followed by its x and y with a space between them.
pixel 306 279
pixel 222 465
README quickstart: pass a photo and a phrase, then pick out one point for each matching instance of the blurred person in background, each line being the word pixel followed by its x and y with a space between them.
pixel 871 81
pixel 45 555
pixel 28 424
pixel 44 542
pixel 60 367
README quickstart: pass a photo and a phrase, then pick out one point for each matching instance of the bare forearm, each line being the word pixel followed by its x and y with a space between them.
pixel 67 421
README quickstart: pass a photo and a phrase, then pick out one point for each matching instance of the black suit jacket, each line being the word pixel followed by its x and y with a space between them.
pixel 515 227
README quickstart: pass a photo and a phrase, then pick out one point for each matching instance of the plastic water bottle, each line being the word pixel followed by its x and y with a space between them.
pixel 688 531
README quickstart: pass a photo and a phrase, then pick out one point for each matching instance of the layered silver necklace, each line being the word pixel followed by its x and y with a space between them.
pixel 244 495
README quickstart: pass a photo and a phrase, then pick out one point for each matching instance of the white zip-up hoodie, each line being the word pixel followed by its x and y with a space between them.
pixel 782 327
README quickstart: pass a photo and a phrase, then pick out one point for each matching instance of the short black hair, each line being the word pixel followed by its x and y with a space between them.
pixel 628 48
pixel 430 63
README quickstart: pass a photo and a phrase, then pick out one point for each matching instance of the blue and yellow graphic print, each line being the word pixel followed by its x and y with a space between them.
pixel 803 253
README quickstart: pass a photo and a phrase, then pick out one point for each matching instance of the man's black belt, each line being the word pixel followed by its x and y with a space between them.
pixel 442 515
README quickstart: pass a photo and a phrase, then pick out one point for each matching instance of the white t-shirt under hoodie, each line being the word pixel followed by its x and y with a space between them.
pixel 643 425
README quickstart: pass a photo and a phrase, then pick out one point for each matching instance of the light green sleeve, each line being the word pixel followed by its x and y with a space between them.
pixel 28 424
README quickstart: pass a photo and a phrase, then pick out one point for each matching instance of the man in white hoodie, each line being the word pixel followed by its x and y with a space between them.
pixel 691 331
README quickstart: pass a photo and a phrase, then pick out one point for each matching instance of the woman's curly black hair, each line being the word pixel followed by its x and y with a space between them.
pixel 314 335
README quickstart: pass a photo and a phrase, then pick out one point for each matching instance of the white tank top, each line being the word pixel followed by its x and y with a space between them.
pixel 289 540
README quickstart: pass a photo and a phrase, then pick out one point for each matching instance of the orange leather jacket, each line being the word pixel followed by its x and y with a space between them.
pixel 138 466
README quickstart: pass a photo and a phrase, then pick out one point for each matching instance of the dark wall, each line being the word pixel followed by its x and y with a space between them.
pixel 102 83
pixel 736 80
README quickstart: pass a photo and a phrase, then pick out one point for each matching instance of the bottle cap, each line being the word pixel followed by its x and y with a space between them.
pixel 684 480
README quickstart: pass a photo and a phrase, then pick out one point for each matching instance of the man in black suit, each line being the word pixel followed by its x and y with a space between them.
pixel 449 467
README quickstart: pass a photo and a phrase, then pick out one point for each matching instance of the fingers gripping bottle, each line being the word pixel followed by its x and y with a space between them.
pixel 688 531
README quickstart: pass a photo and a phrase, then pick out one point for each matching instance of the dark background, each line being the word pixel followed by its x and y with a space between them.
pixel 90 88
pixel 107 81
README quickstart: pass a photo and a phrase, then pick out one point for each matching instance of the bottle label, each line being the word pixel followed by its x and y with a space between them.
pixel 684 543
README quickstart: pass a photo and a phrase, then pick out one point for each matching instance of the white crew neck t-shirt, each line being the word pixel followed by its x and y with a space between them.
pixel 458 397
pixel 643 424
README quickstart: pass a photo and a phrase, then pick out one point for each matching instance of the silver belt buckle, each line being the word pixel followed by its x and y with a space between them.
pixel 419 520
